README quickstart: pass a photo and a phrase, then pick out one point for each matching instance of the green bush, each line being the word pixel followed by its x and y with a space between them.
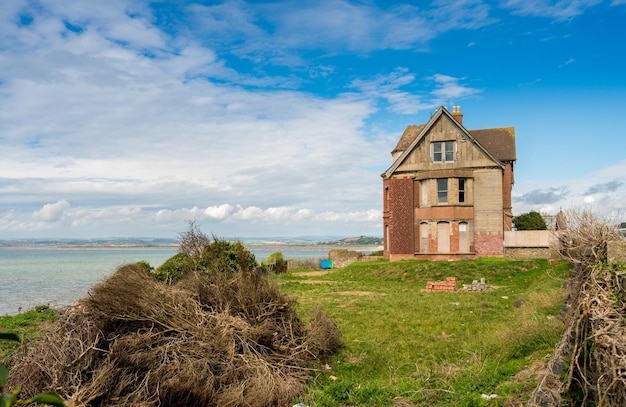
pixel 174 268
pixel 530 221
pixel 275 263
pixel 199 253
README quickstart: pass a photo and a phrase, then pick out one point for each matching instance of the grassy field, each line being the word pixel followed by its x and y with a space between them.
pixel 404 346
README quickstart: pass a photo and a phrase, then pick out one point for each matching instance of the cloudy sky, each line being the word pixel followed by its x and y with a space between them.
pixel 276 118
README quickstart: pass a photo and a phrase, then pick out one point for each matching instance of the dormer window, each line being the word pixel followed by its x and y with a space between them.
pixel 443 151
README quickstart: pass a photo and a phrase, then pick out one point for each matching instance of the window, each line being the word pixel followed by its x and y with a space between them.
pixel 443 237
pixel 463 238
pixel 424 237
pixel 443 151
pixel 424 194
pixel 461 190
pixel 442 190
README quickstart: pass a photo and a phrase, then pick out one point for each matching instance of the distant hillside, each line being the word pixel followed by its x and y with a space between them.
pixel 111 241
pixel 152 241
pixel 357 241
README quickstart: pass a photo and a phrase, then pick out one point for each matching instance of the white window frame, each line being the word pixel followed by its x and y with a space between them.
pixel 443 151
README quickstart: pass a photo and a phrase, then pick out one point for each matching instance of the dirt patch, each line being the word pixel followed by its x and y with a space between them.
pixel 317 282
pixel 358 293
pixel 311 273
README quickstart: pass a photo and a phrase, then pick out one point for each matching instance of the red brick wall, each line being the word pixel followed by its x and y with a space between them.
pixel 454 237
pixel 489 243
pixel 400 216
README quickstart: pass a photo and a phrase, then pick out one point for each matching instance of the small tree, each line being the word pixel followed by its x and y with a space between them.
pixel 199 253
pixel 530 221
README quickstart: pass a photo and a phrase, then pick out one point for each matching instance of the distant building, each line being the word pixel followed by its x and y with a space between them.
pixel 447 194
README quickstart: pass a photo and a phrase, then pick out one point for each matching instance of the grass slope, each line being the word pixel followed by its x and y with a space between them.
pixel 404 346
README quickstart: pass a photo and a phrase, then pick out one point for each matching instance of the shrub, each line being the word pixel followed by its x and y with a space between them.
pixel 174 268
pixel 530 221
pixel 199 253
pixel 275 263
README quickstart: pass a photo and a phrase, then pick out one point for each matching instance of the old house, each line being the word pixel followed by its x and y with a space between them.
pixel 447 194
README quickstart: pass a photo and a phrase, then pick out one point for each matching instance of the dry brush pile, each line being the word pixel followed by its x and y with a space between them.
pixel 592 354
pixel 213 338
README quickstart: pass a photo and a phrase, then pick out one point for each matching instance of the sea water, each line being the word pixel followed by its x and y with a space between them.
pixel 31 276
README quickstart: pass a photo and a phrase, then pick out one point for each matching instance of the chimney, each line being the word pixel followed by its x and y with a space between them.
pixel 456 113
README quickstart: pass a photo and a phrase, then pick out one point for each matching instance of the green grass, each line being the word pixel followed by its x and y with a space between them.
pixel 404 345
pixel 25 325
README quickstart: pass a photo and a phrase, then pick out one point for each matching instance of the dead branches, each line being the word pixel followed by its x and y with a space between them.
pixel 584 240
pixel 213 339
pixel 596 324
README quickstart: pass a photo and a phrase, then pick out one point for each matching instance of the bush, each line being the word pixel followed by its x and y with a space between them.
pixel 212 339
pixel 174 268
pixel 199 253
pixel 275 263
pixel 530 221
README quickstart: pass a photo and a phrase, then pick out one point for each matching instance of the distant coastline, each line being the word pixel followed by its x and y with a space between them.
pixel 359 244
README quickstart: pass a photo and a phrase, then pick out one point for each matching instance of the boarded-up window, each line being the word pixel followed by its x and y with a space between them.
pixel 443 237
pixel 463 237
pixel 424 193
pixel 424 237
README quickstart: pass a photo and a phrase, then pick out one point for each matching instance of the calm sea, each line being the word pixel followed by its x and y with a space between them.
pixel 31 276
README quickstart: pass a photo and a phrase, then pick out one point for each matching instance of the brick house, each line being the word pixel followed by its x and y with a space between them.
pixel 447 194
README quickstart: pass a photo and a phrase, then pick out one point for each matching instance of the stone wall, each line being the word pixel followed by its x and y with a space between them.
pixel 342 257
pixel 529 238
pixel 528 253
pixel 529 244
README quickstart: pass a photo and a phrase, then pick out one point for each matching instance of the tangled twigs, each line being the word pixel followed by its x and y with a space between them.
pixel 219 339
pixel 597 314
pixel 584 241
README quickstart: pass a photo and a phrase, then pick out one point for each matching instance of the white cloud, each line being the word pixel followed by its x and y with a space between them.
pixel 559 10
pixel 330 26
pixel 450 89
pixel 603 191
pixel 52 212
pixel 143 127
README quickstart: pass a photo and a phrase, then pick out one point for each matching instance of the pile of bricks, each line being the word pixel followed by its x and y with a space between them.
pixel 449 285
pixel 476 286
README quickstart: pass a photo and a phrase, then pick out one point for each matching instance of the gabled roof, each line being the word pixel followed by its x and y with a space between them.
pixel 408 136
pixel 499 143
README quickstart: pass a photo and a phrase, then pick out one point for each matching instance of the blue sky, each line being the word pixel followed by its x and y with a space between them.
pixel 276 118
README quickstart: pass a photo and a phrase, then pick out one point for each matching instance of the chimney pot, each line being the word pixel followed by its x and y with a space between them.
pixel 456 113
